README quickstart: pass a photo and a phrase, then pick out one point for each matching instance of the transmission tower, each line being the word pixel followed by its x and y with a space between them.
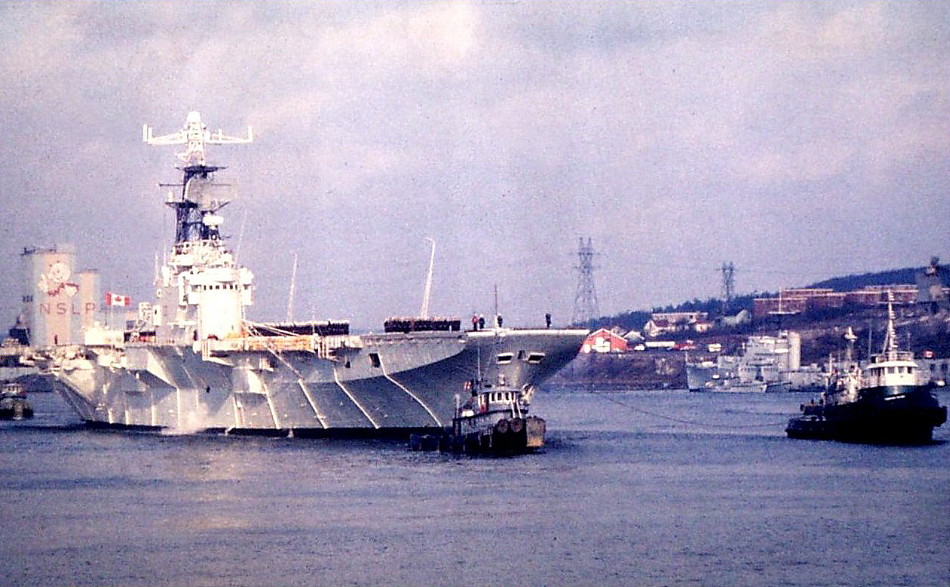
pixel 585 301
pixel 728 285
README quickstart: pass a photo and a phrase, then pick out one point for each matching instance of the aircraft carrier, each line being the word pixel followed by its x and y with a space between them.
pixel 193 363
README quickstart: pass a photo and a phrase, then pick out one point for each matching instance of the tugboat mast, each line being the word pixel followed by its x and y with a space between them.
pixel 890 339
pixel 195 217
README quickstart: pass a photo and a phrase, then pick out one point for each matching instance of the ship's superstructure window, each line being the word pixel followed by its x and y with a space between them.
pixel 374 360
pixel 505 358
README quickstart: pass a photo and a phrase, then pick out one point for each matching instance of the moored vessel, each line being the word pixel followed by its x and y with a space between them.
pixel 194 363
pixel 495 420
pixel 764 364
pixel 885 402
pixel 13 402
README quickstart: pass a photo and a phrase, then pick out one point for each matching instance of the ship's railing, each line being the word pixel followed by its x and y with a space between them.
pixel 893 356
pixel 325 347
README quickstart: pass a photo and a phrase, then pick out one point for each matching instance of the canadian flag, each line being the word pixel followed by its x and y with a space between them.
pixel 117 300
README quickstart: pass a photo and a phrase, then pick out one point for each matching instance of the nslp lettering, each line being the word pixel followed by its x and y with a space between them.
pixel 62 308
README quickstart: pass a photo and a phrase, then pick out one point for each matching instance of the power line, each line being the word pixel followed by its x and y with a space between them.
pixel 585 300
pixel 728 285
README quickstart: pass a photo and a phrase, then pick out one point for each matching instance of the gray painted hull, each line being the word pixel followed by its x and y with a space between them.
pixel 388 382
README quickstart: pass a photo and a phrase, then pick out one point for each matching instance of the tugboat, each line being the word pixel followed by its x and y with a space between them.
pixel 13 403
pixel 493 420
pixel 883 403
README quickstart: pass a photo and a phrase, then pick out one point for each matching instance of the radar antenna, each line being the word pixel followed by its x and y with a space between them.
pixel 199 200
pixel 196 135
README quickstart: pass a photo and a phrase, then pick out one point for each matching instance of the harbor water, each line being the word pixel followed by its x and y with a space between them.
pixel 633 488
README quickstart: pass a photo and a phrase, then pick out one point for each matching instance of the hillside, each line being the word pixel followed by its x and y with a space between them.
pixel 919 331
pixel 635 319
pixel 821 333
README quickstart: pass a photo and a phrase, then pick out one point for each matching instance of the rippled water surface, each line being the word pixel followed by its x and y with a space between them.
pixel 634 488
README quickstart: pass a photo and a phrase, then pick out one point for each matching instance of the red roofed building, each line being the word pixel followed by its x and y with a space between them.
pixel 604 341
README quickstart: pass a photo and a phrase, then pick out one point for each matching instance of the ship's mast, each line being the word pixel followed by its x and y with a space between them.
pixel 424 311
pixel 293 287
pixel 849 352
pixel 195 217
pixel 890 340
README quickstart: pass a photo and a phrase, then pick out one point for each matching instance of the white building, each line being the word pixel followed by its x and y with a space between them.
pixel 58 302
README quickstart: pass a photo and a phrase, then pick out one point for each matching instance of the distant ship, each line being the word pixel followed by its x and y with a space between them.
pixel 766 364
pixel 193 362
pixel 885 402
pixel 13 402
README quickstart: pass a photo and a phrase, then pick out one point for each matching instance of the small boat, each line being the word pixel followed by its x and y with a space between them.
pixel 493 420
pixel 13 402
pixel 885 402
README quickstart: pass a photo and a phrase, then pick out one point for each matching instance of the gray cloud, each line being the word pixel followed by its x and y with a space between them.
pixel 799 140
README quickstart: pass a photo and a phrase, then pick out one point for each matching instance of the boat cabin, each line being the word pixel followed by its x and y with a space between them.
pixel 891 368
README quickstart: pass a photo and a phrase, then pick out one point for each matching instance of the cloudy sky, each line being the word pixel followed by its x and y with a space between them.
pixel 797 140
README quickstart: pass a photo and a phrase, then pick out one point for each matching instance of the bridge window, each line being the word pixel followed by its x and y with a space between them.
pixel 504 358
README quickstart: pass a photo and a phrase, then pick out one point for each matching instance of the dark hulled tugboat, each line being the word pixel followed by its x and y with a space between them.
pixel 493 420
pixel 883 403
pixel 13 402
pixel 496 420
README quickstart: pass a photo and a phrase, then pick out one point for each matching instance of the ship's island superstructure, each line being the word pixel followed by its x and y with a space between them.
pixel 194 363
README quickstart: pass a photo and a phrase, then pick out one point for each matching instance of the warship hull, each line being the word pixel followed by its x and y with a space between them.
pixel 373 384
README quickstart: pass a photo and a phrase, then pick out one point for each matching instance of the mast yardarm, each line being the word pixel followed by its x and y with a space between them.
pixel 195 210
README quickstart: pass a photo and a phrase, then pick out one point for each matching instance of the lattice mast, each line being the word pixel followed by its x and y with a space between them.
pixel 195 217
pixel 728 285
pixel 585 300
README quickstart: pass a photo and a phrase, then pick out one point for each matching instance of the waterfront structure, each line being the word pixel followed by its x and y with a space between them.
pixel 58 302
pixel 930 287
pixel 661 323
pixel 603 340
pixel 801 300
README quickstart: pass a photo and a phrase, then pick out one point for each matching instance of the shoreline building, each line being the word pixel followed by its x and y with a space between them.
pixel 58 302
pixel 801 300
